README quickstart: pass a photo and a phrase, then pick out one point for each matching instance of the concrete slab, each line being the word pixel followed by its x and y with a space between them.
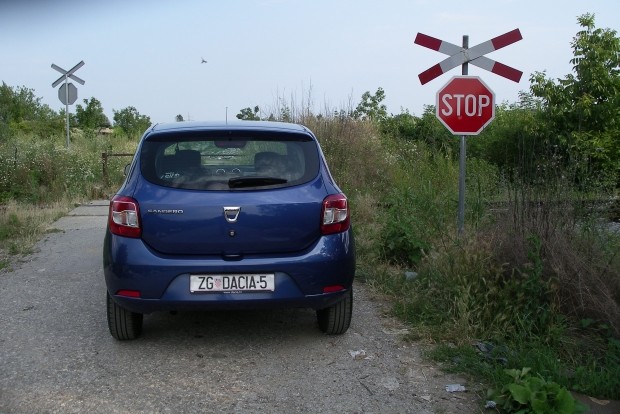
pixel 91 215
pixel 83 222
pixel 92 208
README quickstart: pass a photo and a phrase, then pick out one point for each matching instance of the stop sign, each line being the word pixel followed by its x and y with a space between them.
pixel 67 93
pixel 465 105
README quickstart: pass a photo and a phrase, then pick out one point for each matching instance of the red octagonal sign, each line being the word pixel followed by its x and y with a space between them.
pixel 465 105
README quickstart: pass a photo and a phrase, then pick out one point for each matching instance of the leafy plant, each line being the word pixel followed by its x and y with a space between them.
pixel 526 393
pixel 249 114
pixel 371 107
pixel 405 237
pixel 581 109
pixel 91 116
pixel 130 121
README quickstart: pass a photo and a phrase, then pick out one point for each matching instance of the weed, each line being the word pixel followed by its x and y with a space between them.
pixel 9 227
pixel 4 263
pixel 527 393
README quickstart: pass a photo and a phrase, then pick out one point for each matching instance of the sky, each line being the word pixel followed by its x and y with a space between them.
pixel 313 54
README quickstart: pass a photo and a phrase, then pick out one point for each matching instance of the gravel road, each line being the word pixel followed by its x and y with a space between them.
pixel 56 355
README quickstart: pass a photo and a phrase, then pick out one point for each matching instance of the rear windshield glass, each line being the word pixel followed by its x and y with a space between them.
pixel 229 163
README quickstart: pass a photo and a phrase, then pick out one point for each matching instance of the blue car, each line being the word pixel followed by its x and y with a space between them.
pixel 216 216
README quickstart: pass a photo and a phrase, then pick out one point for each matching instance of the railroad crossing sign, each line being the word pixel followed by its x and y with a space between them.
pixel 475 55
pixel 465 105
pixel 67 93
pixel 67 74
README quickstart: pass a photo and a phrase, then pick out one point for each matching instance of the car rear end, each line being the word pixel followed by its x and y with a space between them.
pixel 228 217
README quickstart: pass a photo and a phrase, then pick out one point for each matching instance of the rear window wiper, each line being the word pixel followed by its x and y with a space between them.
pixel 241 182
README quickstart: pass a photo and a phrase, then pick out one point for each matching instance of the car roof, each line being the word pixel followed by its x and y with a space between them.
pixel 229 126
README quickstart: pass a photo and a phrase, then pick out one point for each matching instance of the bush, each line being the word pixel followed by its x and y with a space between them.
pixel 577 253
pixel 354 152
pixel 42 171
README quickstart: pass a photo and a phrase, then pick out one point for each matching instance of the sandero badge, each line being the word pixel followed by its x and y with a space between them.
pixel 166 211
pixel 217 216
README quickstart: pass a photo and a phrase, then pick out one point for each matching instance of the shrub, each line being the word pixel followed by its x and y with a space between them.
pixel 527 393
pixel 577 253
pixel 354 152
pixel 419 211
pixel 42 171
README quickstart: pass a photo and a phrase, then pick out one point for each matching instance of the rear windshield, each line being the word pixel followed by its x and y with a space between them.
pixel 229 163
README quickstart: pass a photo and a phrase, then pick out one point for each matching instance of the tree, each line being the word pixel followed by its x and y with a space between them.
pixel 91 116
pixel 582 109
pixel 18 104
pixel 516 140
pixel 430 130
pixel 370 106
pixel 249 114
pixel 130 121
pixel 21 110
pixel 179 118
pixel 401 126
pixel 588 99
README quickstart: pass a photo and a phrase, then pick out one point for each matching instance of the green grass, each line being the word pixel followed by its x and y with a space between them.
pixel 596 373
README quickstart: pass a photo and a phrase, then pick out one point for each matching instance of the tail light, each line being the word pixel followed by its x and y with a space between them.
pixel 124 217
pixel 129 293
pixel 333 288
pixel 335 214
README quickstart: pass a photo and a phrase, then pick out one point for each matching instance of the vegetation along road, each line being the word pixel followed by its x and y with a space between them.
pixel 56 354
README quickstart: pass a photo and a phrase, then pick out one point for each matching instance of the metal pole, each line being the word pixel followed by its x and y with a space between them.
pixel 104 158
pixel 461 213
pixel 67 107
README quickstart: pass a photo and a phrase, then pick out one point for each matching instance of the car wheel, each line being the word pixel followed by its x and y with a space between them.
pixel 123 324
pixel 336 319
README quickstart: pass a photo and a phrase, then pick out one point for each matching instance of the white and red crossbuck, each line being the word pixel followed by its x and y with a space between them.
pixel 474 55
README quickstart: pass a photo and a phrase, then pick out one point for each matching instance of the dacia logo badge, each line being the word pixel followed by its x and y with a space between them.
pixel 231 214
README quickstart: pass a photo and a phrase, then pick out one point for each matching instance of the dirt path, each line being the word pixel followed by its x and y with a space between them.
pixel 56 354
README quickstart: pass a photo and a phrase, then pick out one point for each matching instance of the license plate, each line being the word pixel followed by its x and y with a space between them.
pixel 232 283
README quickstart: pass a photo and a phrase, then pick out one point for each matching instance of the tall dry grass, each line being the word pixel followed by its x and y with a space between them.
pixel 578 254
pixel 42 171
pixel 22 224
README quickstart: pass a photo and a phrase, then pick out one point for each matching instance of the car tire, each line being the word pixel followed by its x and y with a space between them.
pixel 336 319
pixel 123 324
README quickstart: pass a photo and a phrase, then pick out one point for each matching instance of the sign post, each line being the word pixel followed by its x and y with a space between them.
pixel 462 156
pixel 67 93
pixel 465 105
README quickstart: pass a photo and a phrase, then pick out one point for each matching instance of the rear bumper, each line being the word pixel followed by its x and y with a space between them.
pixel 163 281
pixel 208 301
